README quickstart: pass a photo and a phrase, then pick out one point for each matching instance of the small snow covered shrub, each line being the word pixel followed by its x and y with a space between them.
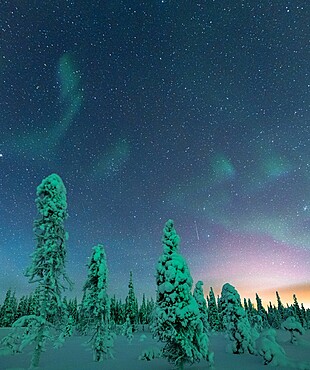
pixel 142 338
pixel 127 330
pixel 150 353
pixel 257 323
pixel 294 327
pixel 270 350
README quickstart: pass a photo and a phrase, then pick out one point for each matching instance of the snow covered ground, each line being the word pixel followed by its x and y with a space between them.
pixel 74 355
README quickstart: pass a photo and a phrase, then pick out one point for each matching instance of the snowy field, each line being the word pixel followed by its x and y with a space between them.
pixel 74 355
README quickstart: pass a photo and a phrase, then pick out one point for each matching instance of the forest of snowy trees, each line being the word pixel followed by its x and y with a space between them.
pixel 180 316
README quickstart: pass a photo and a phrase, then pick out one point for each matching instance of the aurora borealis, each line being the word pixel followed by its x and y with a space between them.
pixel 149 110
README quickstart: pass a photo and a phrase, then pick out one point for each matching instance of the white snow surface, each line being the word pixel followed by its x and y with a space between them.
pixel 76 355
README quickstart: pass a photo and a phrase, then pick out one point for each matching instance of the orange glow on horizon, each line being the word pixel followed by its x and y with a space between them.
pixel 302 292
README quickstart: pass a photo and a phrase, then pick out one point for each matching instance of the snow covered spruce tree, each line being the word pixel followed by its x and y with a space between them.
pixel 132 304
pixel 235 322
pixel 8 311
pixel 176 319
pixel 96 305
pixel 48 266
pixel 202 305
pixel 143 312
pixel 213 314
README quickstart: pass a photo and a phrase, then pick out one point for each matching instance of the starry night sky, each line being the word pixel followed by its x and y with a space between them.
pixel 192 110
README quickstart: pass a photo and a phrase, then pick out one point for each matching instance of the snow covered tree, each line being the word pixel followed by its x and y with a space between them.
pixel 150 310
pixel 8 311
pixel 251 312
pixel 22 308
pixel 274 318
pixel 73 310
pixel 297 310
pixel 121 312
pixel 270 350
pixel 132 304
pixel 82 323
pixel 261 312
pixel 294 327
pixel 235 321
pixel 176 319
pixel 280 306
pixel 245 304
pixel 34 303
pixel 113 310
pixel 127 329
pixel 304 316
pixel 213 315
pixel 202 305
pixel 48 264
pixel 96 305
pixel 143 312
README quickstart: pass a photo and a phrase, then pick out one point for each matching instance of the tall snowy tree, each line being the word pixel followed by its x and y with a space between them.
pixel 176 320
pixel 281 308
pixel 48 263
pixel 261 312
pixel 274 318
pixel 96 304
pixel 202 305
pixel 143 312
pixel 297 310
pixel 131 304
pixel 236 322
pixel 304 316
pixel 213 314
pixel 150 310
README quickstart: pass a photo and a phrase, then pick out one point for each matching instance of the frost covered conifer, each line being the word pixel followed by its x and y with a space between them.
pixel 150 310
pixel 297 310
pixel 202 305
pixel 143 312
pixel 304 316
pixel 274 318
pixel 127 330
pixel 262 313
pixel 235 321
pixel 48 265
pixel 131 304
pixel 176 319
pixel 96 305
pixel 294 327
pixel 22 308
pixel 8 310
pixel 281 309
pixel 270 350
pixel 34 303
pixel 213 314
